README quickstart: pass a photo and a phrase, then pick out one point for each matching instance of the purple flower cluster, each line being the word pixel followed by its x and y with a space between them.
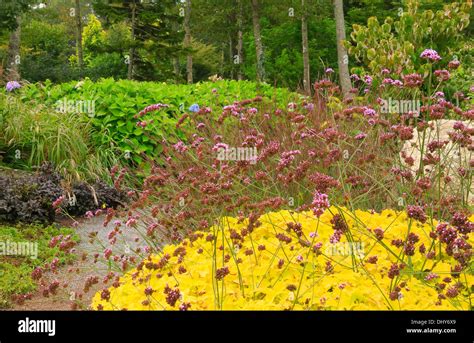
pixel 320 203
pixel 12 85
pixel 151 108
pixel 430 54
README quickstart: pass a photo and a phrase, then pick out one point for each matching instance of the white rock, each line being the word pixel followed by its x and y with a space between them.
pixel 452 155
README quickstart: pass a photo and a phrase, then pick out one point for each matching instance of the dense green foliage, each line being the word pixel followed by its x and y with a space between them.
pixel 48 45
pixel 89 143
pixel 396 44
pixel 15 271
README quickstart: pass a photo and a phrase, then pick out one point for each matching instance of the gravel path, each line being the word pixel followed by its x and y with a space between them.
pixel 81 270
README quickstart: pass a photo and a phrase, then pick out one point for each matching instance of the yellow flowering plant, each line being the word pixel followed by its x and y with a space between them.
pixel 288 260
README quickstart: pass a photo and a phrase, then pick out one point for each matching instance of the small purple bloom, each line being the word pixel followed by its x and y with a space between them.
pixel 180 147
pixel 355 77
pixel 430 54
pixel 11 85
pixel 368 79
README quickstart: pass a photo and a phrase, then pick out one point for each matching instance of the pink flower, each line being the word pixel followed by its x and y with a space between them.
pixel 430 54
pixel 252 110
pixel 131 222
pixel 355 77
pixel 143 124
pixel 397 83
pixel 368 79
pixel 58 201
pixel 442 75
pixel 107 253
pixel 329 71
pixel 154 107
pixel 454 64
pixel 431 276
pixel 180 147
pixel 320 203
pixel 369 112
pixel 413 80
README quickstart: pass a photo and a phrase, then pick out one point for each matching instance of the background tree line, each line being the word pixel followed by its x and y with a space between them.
pixel 287 43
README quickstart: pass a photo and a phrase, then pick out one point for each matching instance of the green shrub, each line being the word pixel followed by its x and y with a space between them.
pixel 397 44
pixel 112 125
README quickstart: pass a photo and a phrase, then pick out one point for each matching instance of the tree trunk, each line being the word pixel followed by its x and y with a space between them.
pixel 258 41
pixel 222 66
pixel 175 59
pixel 80 58
pixel 304 35
pixel 131 61
pixel 342 57
pixel 176 69
pixel 13 60
pixel 240 42
pixel 231 57
pixel 187 42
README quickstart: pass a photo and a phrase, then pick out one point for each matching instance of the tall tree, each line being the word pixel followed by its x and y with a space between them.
pixel 12 70
pixel 131 57
pixel 304 36
pixel 187 42
pixel 175 58
pixel 80 58
pixel 10 19
pixel 240 40
pixel 153 40
pixel 342 57
pixel 258 40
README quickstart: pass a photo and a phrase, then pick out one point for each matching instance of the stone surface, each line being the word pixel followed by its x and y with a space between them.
pixel 452 155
